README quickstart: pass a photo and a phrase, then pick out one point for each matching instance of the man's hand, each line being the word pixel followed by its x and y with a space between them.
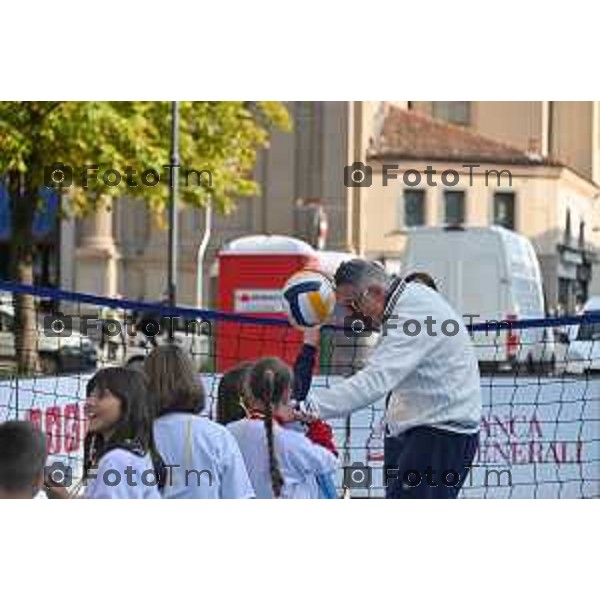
pixel 303 413
pixel 312 336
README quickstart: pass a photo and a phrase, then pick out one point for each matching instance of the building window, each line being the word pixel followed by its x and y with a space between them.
pixel 504 209
pixel 454 207
pixel 414 208
pixel 453 112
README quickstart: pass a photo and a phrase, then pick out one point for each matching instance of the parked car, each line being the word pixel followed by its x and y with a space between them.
pixel 493 274
pixel 193 335
pixel 73 353
pixel 583 341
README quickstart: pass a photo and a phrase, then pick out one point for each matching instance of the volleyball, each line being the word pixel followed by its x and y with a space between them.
pixel 309 298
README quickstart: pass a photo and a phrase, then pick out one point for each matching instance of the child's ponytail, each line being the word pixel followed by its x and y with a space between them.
pixel 270 379
pixel 276 476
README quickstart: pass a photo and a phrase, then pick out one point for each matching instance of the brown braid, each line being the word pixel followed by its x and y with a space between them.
pixel 276 476
pixel 269 380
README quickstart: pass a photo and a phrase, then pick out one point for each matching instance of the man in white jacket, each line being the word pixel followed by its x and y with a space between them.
pixel 425 366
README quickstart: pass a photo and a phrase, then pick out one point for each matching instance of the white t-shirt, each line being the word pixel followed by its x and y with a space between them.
pixel 123 475
pixel 202 458
pixel 299 459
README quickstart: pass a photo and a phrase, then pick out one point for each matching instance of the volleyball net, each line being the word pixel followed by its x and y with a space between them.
pixel 540 426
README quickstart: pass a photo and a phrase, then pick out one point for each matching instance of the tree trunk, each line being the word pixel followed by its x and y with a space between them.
pixel 22 252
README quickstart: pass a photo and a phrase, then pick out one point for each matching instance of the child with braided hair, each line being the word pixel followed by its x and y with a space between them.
pixel 277 480
pixel 281 462
pixel 234 400
pixel 232 396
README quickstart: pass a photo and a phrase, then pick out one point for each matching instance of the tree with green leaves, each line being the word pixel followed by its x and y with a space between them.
pixel 221 138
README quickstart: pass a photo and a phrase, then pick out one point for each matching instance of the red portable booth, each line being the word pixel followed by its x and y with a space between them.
pixel 252 271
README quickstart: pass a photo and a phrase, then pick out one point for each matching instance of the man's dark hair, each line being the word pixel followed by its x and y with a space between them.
pixel 361 273
pixel 421 277
pixel 22 456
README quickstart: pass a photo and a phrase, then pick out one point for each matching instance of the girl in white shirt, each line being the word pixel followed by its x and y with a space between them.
pixel 281 462
pixel 119 457
pixel 202 458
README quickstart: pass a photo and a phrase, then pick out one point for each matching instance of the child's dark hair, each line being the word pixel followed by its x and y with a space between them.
pixel 133 431
pixel 173 381
pixel 232 393
pixel 269 380
pixel 22 456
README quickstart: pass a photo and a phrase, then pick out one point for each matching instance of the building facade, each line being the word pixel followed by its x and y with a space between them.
pixel 426 172
pixel 551 148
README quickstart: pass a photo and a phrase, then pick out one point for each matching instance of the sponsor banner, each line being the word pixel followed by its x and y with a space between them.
pixel 258 301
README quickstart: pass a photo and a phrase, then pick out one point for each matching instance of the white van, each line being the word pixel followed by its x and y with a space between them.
pixel 494 274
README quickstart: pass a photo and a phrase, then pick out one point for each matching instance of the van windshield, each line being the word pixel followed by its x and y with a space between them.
pixel 527 296
pixel 522 257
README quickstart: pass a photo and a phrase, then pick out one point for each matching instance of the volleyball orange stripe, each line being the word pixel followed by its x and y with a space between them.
pixel 318 305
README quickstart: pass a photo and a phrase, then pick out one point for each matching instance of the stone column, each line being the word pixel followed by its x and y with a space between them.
pixel 96 255
pixel 155 258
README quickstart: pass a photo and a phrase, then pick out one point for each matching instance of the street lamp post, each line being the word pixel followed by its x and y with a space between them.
pixel 173 187
pixel 173 236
